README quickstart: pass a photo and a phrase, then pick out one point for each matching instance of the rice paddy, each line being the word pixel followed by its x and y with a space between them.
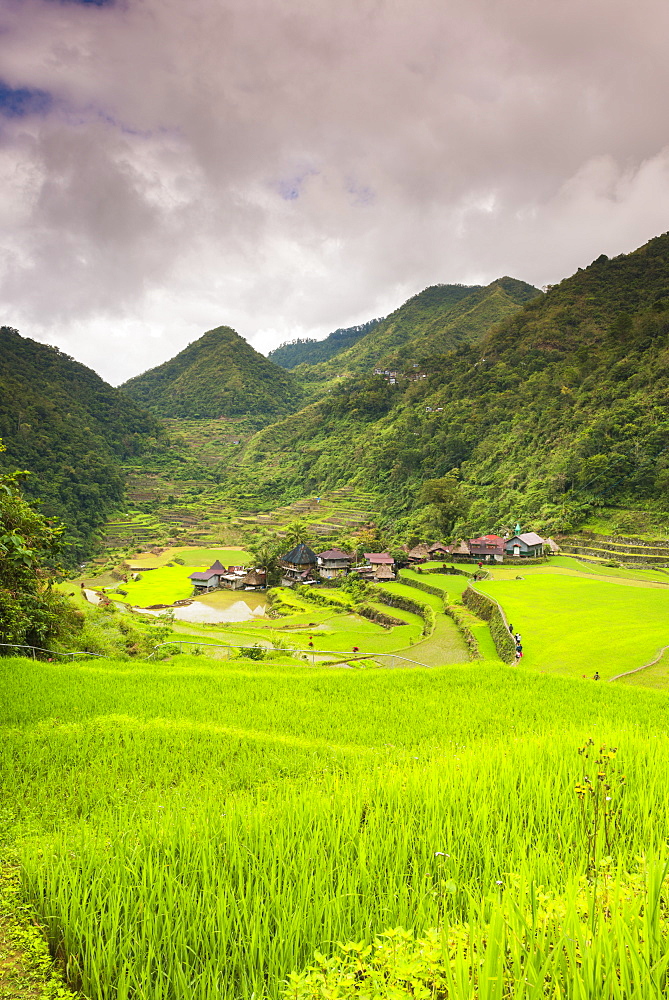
pixel 577 619
pixel 203 828
pixel 199 829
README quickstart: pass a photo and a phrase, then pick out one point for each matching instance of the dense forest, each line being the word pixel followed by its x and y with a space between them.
pixel 71 431
pixel 435 320
pixel 561 407
pixel 217 375
pixel 307 351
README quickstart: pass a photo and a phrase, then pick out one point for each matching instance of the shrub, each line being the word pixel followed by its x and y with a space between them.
pixel 252 652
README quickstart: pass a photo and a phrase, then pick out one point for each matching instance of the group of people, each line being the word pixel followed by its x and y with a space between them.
pixel 517 640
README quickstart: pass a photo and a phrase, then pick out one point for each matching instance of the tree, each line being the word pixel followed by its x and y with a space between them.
pixel 297 532
pixel 266 549
pixel 31 612
pixel 447 500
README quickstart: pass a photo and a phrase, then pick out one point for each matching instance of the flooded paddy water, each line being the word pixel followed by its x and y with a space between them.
pixel 218 608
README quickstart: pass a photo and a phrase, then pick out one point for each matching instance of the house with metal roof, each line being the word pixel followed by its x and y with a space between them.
pixel 487 548
pixel 529 545
pixel 208 579
pixel 333 563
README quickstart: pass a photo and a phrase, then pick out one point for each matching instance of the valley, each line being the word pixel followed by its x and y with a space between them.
pixel 431 776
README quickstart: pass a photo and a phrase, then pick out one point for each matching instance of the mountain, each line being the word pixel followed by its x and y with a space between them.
pixel 435 320
pixel 312 352
pixel 218 375
pixel 71 430
pixel 559 408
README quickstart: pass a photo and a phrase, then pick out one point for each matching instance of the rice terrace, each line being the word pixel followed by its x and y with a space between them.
pixel 295 819
pixel 341 674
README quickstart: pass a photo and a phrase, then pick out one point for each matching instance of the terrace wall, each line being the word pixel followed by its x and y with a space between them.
pixel 632 551
pixel 490 611
pixel 449 609
pixel 423 611
pixel 363 609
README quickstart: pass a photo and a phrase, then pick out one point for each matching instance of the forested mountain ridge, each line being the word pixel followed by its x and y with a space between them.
pixel 71 430
pixel 219 374
pixel 561 407
pixel 311 352
pixel 434 321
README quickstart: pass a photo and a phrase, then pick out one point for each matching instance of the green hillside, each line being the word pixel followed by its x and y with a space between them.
pixel 71 430
pixel 431 322
pixel 561 408
pixel 311 352
pixel 219 375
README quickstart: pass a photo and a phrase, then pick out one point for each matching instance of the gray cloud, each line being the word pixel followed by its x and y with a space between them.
pixel 289 167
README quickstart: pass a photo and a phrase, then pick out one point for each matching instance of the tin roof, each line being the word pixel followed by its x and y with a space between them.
pixel 334 554
pixel 531 538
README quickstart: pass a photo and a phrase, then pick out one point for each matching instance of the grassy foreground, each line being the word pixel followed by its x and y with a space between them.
pixel 200 829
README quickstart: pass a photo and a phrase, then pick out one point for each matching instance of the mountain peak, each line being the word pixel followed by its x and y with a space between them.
pixel 219 374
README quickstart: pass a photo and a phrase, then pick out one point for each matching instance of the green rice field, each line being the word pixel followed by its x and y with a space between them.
pixel 166 581
pixel 576 619
pixel 200 828
pixel 196 828
pixel 192 557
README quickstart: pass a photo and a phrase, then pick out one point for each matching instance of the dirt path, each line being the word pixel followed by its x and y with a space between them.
pixel 660 673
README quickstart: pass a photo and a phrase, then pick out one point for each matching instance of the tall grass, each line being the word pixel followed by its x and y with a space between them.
pixel 200 829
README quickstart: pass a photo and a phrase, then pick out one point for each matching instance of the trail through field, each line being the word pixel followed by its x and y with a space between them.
pixel 655 675
pixel 92 596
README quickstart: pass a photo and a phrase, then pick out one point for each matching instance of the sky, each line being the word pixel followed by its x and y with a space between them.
pixel 288 167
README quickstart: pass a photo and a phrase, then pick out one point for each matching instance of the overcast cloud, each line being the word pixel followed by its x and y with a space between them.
pixel 287 167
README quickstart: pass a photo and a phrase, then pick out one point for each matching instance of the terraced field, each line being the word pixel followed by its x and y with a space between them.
pixel 578 619
pixel 204 829
pixel 625 550
pixel 190 512
pixel 340 510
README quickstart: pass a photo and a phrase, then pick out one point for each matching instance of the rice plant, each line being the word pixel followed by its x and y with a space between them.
pixel 203 828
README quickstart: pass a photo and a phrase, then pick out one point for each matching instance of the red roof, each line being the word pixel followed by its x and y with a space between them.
pixel 332 554
pixel 379 558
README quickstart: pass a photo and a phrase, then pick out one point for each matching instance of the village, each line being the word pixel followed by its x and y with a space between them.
pixel 304 566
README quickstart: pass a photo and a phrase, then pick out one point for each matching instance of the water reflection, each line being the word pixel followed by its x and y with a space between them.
pixel 218 608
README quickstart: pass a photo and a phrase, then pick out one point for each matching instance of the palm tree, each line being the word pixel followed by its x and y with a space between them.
pixel 296 532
